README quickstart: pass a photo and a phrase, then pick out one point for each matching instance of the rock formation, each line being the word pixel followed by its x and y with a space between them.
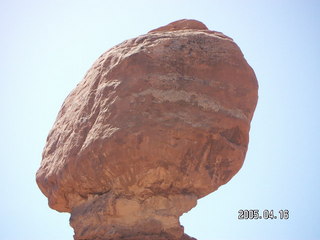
pixel 158 122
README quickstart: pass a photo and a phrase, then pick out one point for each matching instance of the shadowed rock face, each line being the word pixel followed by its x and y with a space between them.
pixel 158 122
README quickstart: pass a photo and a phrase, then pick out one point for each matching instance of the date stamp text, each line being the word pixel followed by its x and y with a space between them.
pixel 265 214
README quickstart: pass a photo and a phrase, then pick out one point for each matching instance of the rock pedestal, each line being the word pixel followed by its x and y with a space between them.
pixel 158 122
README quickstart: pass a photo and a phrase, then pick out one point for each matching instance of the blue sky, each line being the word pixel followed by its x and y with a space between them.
pixel 47 46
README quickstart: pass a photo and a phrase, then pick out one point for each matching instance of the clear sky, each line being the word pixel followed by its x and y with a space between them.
pixel 47 46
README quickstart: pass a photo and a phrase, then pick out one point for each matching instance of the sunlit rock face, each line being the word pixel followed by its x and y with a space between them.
pixel 158 122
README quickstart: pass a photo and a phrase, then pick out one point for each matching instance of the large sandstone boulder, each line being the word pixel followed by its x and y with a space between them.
pixel 158 122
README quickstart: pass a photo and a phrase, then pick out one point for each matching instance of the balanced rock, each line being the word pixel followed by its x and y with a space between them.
pixel 158 122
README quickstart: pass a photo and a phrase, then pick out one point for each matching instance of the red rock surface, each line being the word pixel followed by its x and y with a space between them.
pixel 158 122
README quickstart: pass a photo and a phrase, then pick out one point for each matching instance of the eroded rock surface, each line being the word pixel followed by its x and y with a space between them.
pixel 158 122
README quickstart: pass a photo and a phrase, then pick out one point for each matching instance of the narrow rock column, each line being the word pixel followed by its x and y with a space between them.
pixel 109 217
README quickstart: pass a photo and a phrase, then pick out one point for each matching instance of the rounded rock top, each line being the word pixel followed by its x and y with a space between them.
pixel 182 24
